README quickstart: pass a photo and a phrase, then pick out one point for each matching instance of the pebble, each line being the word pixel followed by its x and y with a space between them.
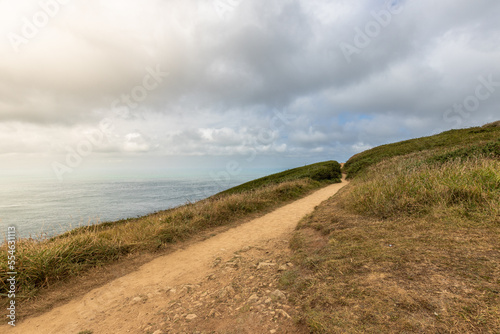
pixel 277 294
pixel 232 264
pixel 265 265
pixel 283 313
pixel 253 298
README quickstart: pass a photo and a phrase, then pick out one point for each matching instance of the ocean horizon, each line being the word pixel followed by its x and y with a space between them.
pixel 41 207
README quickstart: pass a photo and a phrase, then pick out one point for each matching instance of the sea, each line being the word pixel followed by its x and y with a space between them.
pixel 43 207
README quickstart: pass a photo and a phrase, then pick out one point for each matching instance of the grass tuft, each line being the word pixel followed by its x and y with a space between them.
pixel 457 187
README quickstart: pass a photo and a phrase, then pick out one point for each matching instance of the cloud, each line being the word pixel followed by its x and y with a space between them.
pixel 231 73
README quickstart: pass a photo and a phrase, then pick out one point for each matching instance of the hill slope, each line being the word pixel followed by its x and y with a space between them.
pixel 449 140
pixel 410 245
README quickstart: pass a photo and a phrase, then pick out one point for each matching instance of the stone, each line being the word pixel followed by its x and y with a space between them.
pixel 227 292
pixel 283 314
pixel 278 295
pixel 264 265
pixel 190 317
pixel 253 298
pixel 216 262
pixel 230 290
pixel 188 288
pixel 232 264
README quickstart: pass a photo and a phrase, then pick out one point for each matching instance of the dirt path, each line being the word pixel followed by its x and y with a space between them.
pixel 169 289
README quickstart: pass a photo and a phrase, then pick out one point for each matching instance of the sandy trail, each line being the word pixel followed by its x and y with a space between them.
pixel 111 308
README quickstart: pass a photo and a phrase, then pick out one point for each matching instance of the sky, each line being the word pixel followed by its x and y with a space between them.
pixel 229 85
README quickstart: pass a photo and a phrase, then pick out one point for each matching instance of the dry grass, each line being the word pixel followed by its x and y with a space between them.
pixel 406 186
pixel 410 246
pixel 363 275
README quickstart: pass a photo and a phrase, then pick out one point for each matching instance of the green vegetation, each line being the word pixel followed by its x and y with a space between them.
pixel 41 263
pixel 486 150
pixel 410 245
pixel 328 170
pixel 407 186
pixel 449 139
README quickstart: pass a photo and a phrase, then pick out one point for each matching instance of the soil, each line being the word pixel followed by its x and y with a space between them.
pixel 228 283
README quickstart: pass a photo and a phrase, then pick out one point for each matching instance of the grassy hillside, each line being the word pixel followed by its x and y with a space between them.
pixel 453 139
pixel 328 170
pixel 410 245
pixel 41 263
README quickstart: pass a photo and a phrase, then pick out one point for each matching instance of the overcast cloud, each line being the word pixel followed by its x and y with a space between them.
pixel 262 82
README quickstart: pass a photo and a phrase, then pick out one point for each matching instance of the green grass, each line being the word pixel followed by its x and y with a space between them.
pixel 40 263
pixel 406 186
pixel 454 138
pixel 490 149
pixel 411 245
pixel 328 170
